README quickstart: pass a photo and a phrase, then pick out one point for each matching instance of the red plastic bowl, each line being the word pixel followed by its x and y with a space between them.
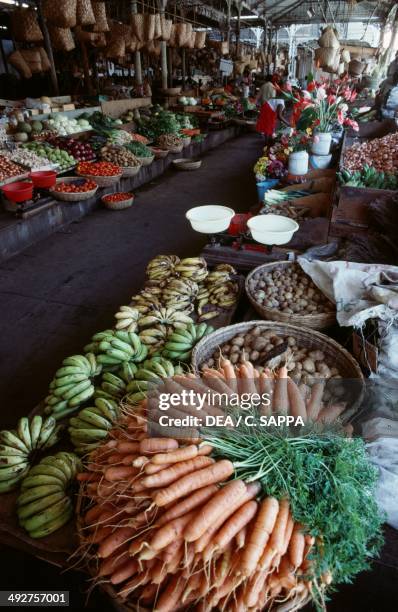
pixel 19 191
pixel 44 178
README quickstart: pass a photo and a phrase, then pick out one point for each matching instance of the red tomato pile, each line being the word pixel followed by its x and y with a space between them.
pixel 98 168
pixel 71 188
pixel 118 197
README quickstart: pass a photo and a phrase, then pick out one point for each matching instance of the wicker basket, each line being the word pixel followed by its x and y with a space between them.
pixel 313 321
pixel 160 153
pixel 103 181
pixel 131 170
pixel 306 338
pixel 117 205
pixel 146 161
pixel 71 197
pixel 176 149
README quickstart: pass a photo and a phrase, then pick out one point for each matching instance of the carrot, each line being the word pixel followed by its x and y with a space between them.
pixel 93 513
pixel 314 404
pixel 113 474
pixel 128 447
pixel 331 413
pixel 170 531
pixel 214 509
pixel 235 524
pixel 157 445
pixel 192 584
pixel 254 586
pixel 181 454
pixel 192 382
pixel 241 538
pixel 99 535
pixel 136 582
pixel 114 562
pixel 246 380
pixel 114 541
pixel 217 383
pixel 288 534
pixel 277 538
pixel 205 449
pixel 296 547
pixel 280 402
pixel 265 388
pixel 204 541
pixel 173 473
pixel 87 477
pixel 170 598
pixel 173 566
pixel 148 593
pixel 187 504
pixel 150 468
pixel 128 460
pixel 212 474
pixel 262 529
pixel 140 461
pixel 229 374
pixel 296 401
pixel 124 572
pixel 169 552
pixel 159 572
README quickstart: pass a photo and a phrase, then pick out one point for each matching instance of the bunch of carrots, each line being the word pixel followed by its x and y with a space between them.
pixel 169 528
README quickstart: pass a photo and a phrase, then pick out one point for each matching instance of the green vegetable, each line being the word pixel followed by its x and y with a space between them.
pixel 139 149
pixel 368 177
pixel 327 478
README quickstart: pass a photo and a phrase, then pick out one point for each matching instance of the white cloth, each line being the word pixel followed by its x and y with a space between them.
pixel 275 102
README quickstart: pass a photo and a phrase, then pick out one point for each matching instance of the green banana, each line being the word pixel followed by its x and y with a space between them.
pixel 39 480
pixel 70 378
pixel 35 429
pixel 47 429
pixel 37 521
pixel 12 471
pixel 30 495
pixel 43 469
pixel 82 396
pixel 11 451
pixel 10 484
pixel 24 432
pixel 28 510
pixel 10 438
pixel 77 389
pixel 11 460
pixel 52 525
pixel 94 419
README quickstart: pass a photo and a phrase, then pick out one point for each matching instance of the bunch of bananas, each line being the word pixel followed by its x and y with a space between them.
pixel 151 372
pixel 111 387
pixel 181 342
pixel 72 385
pixel 180 293
pixel 194 268
pixel 114 347
pixel 127 318
pixel 145 301
pixel 91 425
pixel 44 504
pixel 18 447
pixel 162 267
pixel 171 317
pixel 154 337
pixel 219 292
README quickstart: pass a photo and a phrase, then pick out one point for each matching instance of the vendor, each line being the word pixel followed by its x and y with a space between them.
pixel 267 90
pixel 271 111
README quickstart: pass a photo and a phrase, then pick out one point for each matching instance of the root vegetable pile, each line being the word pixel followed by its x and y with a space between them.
pixel 380 153
pixel 266 348
pixel 9 169
pixel 218 523
pixel 289 290
pixel 167 141
pixel 120 156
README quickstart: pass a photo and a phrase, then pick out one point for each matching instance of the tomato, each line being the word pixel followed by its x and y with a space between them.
pixel 118 197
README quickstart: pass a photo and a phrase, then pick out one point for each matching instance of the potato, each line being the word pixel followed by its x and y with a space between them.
pixel 309 365
pixel 259 344
pixel 254 355
pixel 238 340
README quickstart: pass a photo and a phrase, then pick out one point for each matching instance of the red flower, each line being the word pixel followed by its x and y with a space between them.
pixel 354 94
pixel 352 124
pixel 340 117
pixel 311 86
pixel 331 99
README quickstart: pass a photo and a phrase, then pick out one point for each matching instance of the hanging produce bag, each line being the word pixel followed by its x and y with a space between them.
pixel 16 59
pixel 101 22
pixel 24 25
pixel 138 26
pixel 173 36
pixel 192 40
pixel 45 62
pixel 158 27
pixel 345 56
pixel 116 48
pixel 61 38
pixel 325 58
pixel 200 40
pixel 100 40
pixel 167 26
pixel 84 13
pixel 84 36
pixel 329 38
pixel 60 13
pixel 150 23
pixel 33 59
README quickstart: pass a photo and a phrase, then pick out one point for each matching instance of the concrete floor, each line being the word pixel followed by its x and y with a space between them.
pixel 56 294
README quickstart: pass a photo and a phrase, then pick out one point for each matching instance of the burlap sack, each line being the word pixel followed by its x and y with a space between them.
pixel 84 13
pixel 33 59
pixel 61 38
pixel 24 25
pixel 173 36
pixel 16 59
pixel 61 13
pixel 101 22
pixel 192 40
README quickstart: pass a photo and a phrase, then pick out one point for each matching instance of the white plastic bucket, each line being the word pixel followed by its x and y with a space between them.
pixel 298 163
pixel 320 162
pixel 321 143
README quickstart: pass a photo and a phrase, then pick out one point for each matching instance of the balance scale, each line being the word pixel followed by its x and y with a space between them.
pixel 252 242
pixel 27 198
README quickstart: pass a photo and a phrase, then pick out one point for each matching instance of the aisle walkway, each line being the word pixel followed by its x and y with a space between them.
pixel 57 293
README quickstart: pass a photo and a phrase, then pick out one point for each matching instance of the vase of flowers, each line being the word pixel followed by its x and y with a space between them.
pixel 298 144
pixel 270 168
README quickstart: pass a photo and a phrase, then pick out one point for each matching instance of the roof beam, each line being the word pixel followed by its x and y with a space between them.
pixel 289 9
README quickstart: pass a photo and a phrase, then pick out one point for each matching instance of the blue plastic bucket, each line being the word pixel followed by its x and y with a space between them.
pixel 263 186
